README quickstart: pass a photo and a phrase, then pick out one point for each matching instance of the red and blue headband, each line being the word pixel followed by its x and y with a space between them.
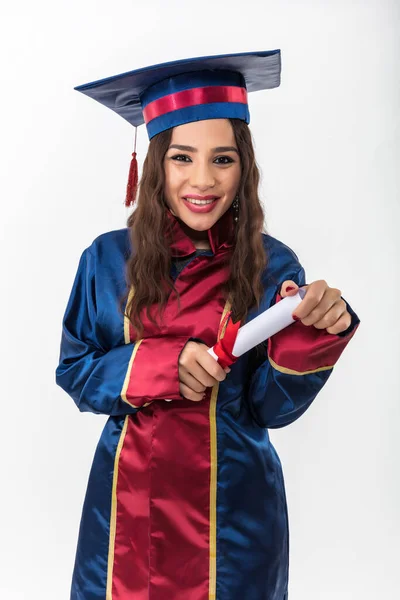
pixel 194 97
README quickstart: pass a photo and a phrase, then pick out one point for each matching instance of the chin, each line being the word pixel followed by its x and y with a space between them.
pixel 200 222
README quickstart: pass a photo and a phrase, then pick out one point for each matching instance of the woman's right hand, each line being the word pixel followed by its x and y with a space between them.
pixel 198 370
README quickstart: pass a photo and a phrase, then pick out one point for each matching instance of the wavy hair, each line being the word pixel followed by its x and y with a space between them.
pixel 149 265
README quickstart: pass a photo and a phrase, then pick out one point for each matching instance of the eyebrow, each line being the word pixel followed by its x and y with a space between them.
pixel 192 149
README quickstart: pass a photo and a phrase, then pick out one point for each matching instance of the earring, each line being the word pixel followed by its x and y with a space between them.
pixel 235 208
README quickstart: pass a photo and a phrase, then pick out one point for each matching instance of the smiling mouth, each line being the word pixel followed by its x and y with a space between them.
pixel 200 202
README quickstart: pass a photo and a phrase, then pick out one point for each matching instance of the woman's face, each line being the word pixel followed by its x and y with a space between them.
pixel 202 172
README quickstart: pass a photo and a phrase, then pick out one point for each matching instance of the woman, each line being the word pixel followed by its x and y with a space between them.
pixel 186 498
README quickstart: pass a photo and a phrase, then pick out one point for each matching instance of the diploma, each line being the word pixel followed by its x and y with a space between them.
pixel 237 341
pixel 258 330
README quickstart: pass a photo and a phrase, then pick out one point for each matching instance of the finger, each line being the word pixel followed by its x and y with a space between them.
pixel 330 318
pixel 211 367
pixel 191 382
pixel 189 363
pixel 341 324
pixel 314 294
pixel 330 300
pixel 189 394
pixel 202 375
pixel 288 288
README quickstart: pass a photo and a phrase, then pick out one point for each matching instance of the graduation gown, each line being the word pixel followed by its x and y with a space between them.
pixel 185 500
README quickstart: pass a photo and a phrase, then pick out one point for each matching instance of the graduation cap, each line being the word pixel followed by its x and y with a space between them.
pixel 193 89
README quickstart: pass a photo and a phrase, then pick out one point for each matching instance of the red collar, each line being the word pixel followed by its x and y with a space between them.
pixel 221 235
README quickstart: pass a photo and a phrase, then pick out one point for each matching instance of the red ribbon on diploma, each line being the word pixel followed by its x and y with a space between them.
pixel 224 347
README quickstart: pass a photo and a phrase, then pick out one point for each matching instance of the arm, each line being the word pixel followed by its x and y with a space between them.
pixel 118 380
pixel 297 363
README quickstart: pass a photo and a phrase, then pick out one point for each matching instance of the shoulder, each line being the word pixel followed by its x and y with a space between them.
pixel 282 261
pixel 110 245
pixel 275 248
pixel 104 260
pixel 107 254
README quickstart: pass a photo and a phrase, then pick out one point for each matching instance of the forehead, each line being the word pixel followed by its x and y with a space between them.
pixel 210 132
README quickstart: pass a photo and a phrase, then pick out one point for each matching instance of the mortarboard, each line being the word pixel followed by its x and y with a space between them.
pixel 193 89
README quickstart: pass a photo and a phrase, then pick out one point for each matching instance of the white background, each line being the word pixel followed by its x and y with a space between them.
pixel 328 144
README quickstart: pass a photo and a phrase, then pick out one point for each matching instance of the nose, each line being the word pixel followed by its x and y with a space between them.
pixel 201 175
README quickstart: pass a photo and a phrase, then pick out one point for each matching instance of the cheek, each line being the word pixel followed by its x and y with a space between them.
pixel 173 179
pixel 233 179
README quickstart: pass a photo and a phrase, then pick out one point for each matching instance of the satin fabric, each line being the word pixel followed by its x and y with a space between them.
pixel 199 79
pixel 185 500
pixel 193 97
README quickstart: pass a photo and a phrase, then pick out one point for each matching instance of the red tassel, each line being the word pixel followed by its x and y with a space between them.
pixel 131 188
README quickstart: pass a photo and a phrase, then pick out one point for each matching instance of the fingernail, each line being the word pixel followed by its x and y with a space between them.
pixel 296 318
pixel 288 289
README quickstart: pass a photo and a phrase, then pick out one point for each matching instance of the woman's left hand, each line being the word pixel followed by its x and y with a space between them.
pixel 322 306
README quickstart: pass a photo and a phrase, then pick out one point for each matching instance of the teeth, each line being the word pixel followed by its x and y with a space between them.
pixel 201 202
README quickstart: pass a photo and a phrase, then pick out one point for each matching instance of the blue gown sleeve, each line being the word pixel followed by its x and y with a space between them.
pixel 297 363
pixel 90 374
pixel 115 380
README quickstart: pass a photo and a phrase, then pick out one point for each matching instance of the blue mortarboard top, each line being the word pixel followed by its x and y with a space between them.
pixel 193 89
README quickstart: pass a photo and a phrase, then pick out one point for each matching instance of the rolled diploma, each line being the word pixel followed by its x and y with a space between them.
pixel 265 325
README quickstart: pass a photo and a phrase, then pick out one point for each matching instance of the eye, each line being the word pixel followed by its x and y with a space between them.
pixel 180 158
pixel 226 160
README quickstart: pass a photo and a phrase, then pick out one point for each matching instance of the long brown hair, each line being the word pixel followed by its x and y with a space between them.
pixel 148 267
